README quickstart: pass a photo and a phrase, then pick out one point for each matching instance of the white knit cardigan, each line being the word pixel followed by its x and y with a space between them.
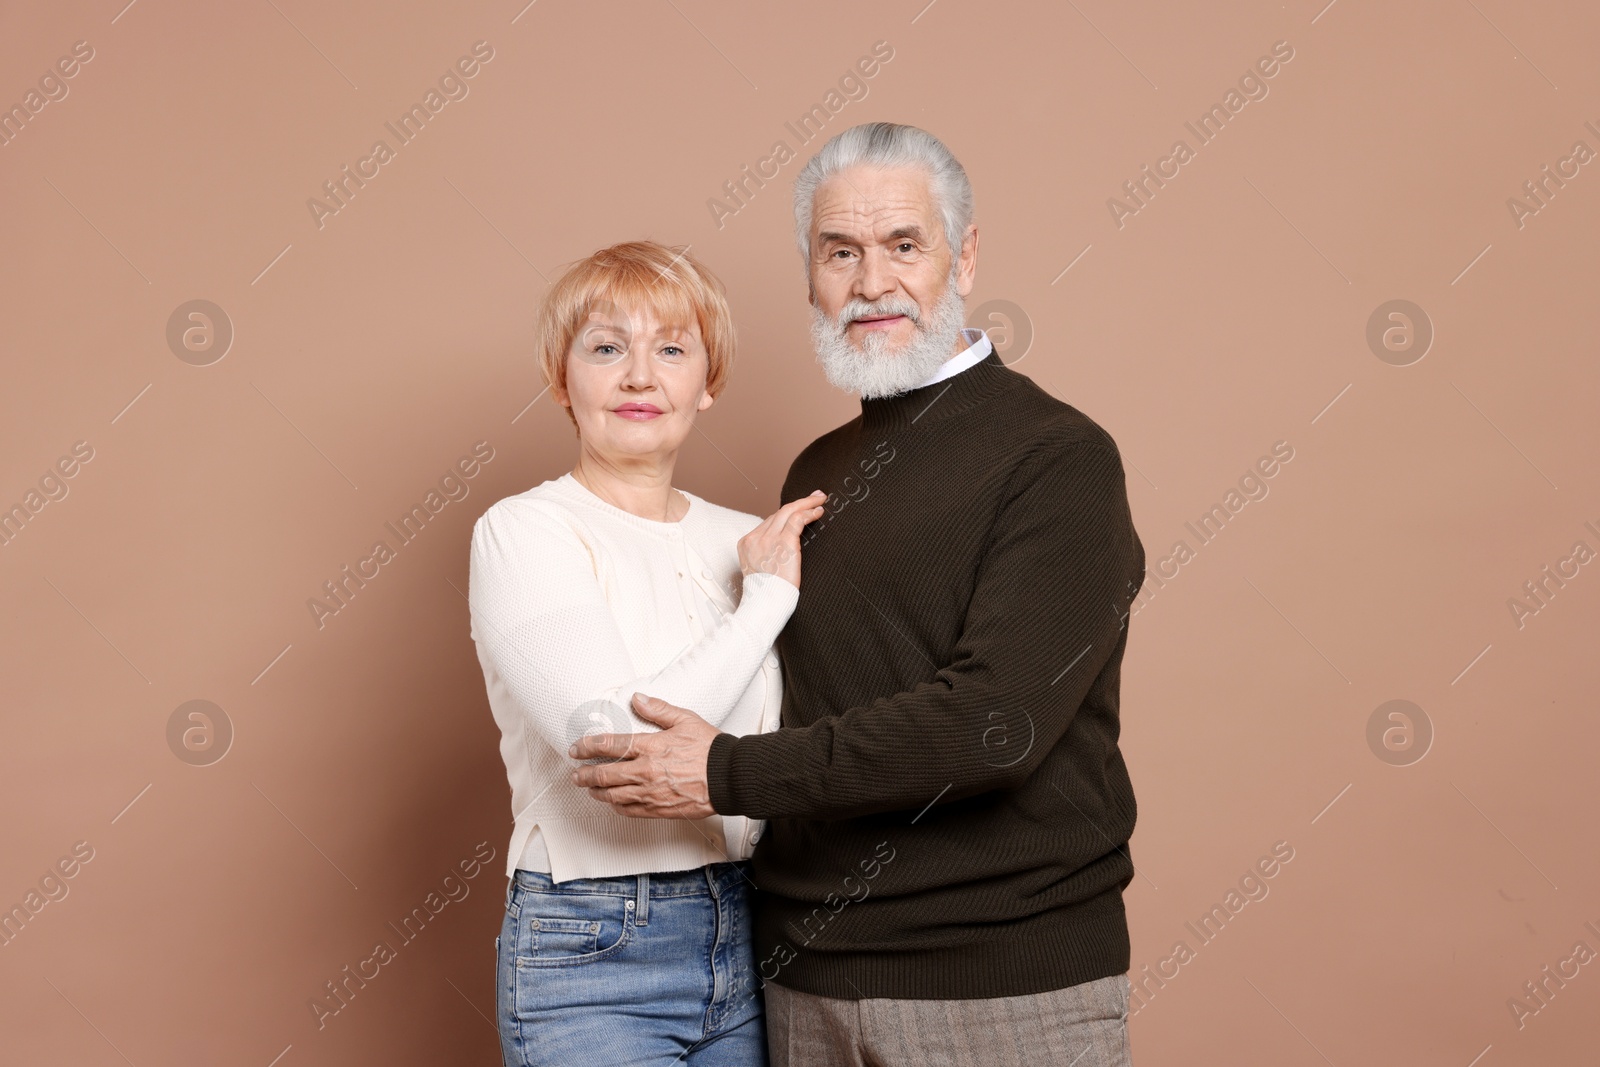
pixel 575 606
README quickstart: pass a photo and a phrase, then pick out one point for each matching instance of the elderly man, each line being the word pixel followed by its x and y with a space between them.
pixel 941 874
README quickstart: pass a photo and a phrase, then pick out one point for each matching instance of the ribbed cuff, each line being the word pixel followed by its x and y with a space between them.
pixel 719 768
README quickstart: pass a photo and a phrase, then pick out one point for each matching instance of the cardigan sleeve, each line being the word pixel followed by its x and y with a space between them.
pixel 1044 619
pixel 540 618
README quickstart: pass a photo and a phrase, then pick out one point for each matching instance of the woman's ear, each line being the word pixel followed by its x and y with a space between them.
pixel 706 400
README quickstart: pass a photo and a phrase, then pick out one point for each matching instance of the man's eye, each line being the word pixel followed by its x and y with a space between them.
pixel 841 252
pixel 906 246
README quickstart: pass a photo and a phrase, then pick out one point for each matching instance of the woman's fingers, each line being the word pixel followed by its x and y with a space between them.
pixel 798 519
pixel 786 514
pixel 774 526
pixel 793 518
pixel 774 545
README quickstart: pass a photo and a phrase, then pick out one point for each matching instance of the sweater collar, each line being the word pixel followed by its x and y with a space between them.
pixel 578 493
pixel 939 400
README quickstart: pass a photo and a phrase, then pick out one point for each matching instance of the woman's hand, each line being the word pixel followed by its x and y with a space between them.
pixel 774 546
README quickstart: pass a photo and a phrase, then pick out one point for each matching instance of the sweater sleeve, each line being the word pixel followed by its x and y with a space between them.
pixel 541 619
pixel 1047 611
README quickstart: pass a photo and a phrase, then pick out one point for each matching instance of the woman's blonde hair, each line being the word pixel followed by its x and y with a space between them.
pixel 636 274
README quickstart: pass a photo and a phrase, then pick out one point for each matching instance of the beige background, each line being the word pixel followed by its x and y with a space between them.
pixel 371 353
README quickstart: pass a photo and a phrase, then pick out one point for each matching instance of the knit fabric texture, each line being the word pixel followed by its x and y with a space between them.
pixel 576 605
pixel 948 808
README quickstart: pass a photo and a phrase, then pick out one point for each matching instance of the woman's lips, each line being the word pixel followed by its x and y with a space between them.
pixel 638 412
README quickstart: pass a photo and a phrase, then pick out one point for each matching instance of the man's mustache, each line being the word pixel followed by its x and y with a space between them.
pixel 863 310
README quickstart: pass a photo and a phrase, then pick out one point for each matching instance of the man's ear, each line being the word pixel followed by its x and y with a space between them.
pixel 967 264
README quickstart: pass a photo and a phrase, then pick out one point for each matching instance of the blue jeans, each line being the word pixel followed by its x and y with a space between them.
pixel 649 969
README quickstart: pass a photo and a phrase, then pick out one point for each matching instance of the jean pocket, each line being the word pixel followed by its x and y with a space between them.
pixel 563 929
pixel 558 938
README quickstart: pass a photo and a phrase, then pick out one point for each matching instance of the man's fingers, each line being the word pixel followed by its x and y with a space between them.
pixel 623 803
pixel 645 811
pixel 658 711
pixel 632 802
pixel 617 795
pixel 615 746
pixel 606 775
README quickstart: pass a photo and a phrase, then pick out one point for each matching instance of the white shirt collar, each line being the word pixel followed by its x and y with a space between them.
pixel 978 347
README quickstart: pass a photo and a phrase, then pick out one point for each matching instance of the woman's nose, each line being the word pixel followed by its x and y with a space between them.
pixel 639 373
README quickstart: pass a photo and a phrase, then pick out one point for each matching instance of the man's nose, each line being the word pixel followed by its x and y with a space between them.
pixel 876 278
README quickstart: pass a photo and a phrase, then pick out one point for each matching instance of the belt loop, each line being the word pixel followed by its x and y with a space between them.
pixel 641 908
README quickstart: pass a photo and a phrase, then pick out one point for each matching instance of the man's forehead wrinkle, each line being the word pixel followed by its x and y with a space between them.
pixel 878 218
pixel 866 206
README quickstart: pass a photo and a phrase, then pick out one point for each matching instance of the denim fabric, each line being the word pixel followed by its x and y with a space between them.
pixel 650 969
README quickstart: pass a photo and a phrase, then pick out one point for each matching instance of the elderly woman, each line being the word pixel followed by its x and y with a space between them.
pixel 626 941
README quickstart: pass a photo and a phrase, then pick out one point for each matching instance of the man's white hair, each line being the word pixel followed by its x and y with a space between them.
pixel 887 144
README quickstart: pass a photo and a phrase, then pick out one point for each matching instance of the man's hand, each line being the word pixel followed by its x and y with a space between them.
pixel 656 776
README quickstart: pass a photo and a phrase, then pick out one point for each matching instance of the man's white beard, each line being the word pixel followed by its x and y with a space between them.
pixel 874 369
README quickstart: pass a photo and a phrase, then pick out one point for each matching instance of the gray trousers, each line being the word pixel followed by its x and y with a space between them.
pixel 1079 1026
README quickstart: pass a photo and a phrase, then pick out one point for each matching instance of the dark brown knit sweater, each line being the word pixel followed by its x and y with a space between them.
pixel 949 812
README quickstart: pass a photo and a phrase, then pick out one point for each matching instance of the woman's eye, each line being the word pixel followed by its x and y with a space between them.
pixel 606 348
pixel 672 350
